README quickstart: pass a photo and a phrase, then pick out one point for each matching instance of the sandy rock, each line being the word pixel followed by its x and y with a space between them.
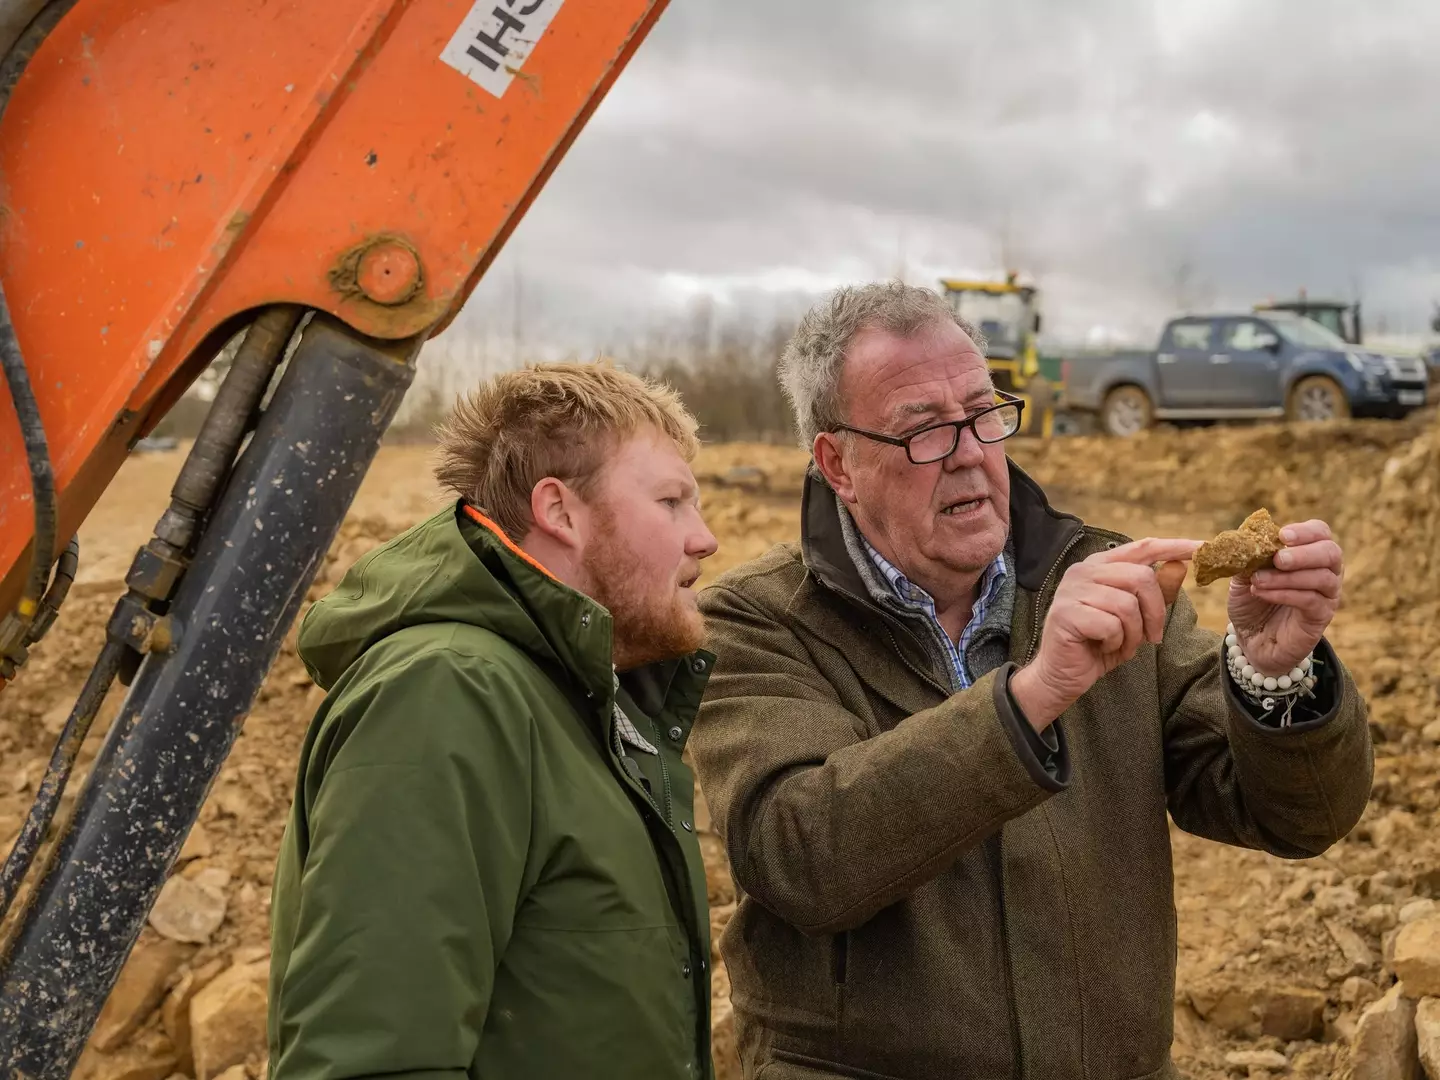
pixel 1249 548
pixel 1291 1013
pixel 1418 909
pixel 1257 1059
pixel 198 844
pixel 138 1063
pixel 187 910
pixel 1379 917
pixel 227 1020
pixel 138 991
pixel 1385 1047
pixel 1334 899
pixel 1351 945
pixel 1427 1036
pixel 1431 731
pixel 250 954
pixel 1359 992
pixel 1417 957
pixel 235 1072
pixel 175 1013
pixel 1233 1009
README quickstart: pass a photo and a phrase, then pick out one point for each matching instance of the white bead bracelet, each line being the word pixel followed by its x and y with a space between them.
pixel 1264 689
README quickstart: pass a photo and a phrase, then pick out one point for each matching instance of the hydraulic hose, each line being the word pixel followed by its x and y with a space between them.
pixel 22 394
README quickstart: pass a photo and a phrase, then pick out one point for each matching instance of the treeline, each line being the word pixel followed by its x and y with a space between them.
pixel 726 374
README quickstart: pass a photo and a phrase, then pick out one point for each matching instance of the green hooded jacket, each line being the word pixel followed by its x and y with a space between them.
pixel 478 876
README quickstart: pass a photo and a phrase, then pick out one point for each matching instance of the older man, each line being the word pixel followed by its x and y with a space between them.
pixel 944 730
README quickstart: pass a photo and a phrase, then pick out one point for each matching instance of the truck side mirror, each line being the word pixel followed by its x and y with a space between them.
pixel 1270 344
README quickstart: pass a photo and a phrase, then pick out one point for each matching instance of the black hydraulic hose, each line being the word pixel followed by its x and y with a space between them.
pixel 59 588
pixel 22 394
pixel 62 760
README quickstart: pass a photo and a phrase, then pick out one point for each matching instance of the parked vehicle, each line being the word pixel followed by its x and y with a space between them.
pixel 1229 367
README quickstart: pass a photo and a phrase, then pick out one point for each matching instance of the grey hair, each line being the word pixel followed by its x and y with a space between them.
pixel 814 358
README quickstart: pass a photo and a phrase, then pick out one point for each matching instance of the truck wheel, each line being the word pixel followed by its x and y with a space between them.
pixel 1127 411
pixel 1315 398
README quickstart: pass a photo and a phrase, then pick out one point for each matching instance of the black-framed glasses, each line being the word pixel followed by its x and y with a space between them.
pixel 938 441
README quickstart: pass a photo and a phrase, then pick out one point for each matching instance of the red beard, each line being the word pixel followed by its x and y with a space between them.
pixel 652 620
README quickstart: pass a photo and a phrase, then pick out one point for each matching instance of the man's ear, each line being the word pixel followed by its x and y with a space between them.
pixel 830 460
pixel 555 511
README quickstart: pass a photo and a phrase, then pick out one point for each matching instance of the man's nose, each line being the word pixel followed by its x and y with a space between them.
pixel 968 453
pixel 702 543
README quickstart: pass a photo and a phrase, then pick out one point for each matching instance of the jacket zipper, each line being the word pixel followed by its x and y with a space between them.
pixel 1040 596
pixel 664 769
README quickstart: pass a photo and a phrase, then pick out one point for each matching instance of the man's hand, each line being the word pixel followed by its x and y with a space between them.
pixel 1280 615
pixel 1104 609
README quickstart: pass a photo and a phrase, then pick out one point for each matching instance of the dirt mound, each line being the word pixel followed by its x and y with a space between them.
pixel 1278 957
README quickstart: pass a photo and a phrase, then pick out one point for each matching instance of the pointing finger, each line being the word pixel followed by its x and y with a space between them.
pixel 1150 551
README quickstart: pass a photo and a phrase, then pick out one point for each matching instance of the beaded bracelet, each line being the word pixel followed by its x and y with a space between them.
pixel 1264 690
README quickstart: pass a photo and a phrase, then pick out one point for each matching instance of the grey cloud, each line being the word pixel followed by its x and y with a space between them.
pixel 1109 147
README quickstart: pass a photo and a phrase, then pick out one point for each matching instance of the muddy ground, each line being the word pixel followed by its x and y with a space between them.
pixel 1270 951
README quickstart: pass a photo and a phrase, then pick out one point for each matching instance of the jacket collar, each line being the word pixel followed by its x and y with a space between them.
pixel 1039 533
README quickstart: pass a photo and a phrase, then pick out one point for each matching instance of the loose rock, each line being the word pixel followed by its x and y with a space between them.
pixel 1418 909
pixel 1359 992
pixel 1385 1046
pixel 1333 899
pixel 175 1013
pixel 227 1021
pixel 1257 1059
pixel 1352 946
pixel 1291 1014
pixel 1417 957
pixel 1427 1036
pixel 198 844
pixel 138 991
pixel 187 910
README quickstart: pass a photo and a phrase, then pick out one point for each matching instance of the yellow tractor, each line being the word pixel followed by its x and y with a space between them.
pixel 1007 313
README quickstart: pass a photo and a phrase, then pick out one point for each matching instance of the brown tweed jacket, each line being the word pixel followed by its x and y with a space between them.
pixel 920 898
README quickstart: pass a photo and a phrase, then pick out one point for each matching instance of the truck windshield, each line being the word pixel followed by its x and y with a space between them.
pixel 1307 333
pixel 1000 317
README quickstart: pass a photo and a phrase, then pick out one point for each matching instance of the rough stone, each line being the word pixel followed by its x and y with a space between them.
pixel 137 991
pixel 1351 945
pixel 1418 909
pixel 1417 957
pixel 1427 1036
pixel 1251 547
pixel 235 1072
pixel 1232 1009
pixel 1334 899
pixel 1358 992
pixel 188 910
pixel 175 1013
pixel 1257 1059
pixel 1379 917
pixel 1385 1047
pixel 1291 1013
pixel 198 844
pixel 1431 731
pixel 227 1020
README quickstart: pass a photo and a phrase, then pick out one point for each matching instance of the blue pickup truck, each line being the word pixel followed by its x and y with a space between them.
pixel 1230 367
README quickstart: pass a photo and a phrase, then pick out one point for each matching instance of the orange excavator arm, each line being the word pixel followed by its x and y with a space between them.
pixel 329 177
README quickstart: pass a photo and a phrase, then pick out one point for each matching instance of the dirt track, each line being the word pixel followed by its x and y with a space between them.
pixel 1257 934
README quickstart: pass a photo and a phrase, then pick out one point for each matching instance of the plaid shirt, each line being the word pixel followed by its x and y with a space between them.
pixel 626 731
pixel 917 599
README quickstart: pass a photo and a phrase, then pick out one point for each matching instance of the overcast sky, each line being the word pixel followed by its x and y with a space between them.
pixel 1129 155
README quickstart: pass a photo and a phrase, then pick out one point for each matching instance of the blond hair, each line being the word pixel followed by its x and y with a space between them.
pixel 559 420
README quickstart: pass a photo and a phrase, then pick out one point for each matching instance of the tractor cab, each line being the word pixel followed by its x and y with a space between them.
pixel 1007 314
pixel 1337 317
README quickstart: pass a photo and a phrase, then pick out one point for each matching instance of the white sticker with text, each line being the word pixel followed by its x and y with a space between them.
pixel 492 43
